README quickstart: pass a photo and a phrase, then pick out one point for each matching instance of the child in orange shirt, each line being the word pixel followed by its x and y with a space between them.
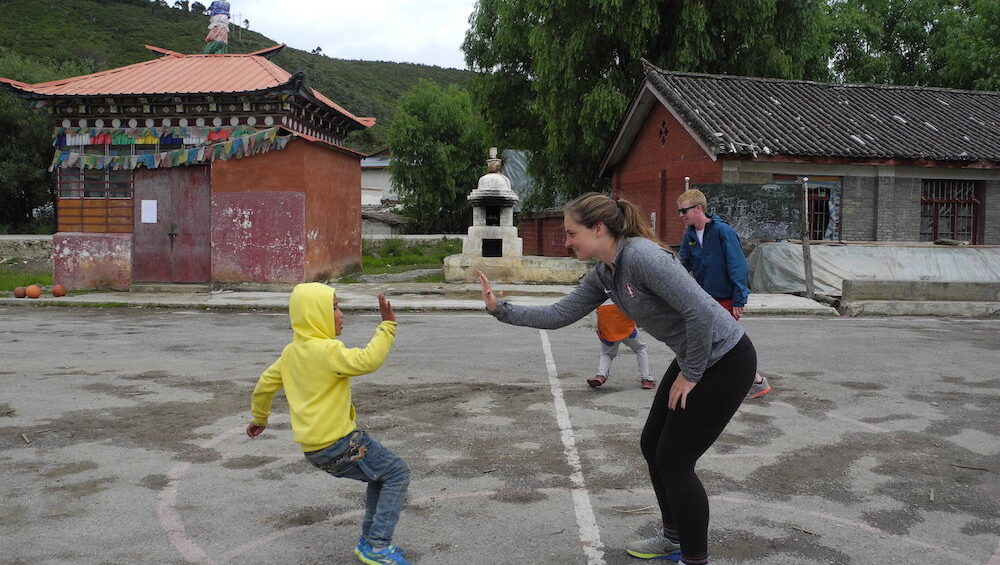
pixel 613 329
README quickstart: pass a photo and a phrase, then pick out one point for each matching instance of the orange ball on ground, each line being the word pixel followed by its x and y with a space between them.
pixel 33 291
pixel 19 292
pixel 58 290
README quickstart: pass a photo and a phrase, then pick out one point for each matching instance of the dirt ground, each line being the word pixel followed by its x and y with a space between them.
pixel 121 442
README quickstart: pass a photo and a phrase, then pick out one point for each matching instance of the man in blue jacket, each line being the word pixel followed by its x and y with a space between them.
pixel 712 253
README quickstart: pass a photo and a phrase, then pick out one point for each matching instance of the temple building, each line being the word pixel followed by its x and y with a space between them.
pixel 213 169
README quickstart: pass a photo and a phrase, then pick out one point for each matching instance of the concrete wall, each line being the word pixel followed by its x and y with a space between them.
pixel 880 202
pixel 330 181
pixel 991 212
pixel 857 220
pixel 371 227
pixel 921 298
pixel 92 260
pixel 258 237
pixel 897 207
pixel 921 290
pixel 376 186
pixel 30 248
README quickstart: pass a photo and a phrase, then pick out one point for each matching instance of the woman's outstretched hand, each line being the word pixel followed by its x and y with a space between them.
pixel 489 298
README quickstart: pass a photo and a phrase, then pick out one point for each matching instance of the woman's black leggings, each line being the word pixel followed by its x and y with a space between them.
pixel 673 440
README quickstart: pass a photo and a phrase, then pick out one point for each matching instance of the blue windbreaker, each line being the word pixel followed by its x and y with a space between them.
pixel 718 263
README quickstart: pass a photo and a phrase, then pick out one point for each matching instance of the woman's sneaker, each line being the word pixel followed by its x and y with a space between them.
pixel 656 547
pixel 758 390
pixel 390 555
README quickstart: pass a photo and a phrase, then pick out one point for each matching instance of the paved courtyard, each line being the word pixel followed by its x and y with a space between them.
pixel 121 442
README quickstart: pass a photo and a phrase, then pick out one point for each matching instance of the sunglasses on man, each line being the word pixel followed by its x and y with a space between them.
pixel 684 211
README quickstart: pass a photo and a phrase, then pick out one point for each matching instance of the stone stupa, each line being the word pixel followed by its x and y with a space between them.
pixel 492 244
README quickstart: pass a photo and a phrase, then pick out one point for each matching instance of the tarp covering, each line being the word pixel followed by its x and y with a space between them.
pixel 776 268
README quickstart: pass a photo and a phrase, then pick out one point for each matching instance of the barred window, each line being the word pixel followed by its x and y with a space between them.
pixel 102 184
pixel 950 209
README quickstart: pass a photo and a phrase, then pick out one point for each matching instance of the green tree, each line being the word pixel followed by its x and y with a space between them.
pixel 26 145
pixel 25 153
pixel 954 44
pixel 555 76
pixel 884 41
pixel 438 154
pixel 966 52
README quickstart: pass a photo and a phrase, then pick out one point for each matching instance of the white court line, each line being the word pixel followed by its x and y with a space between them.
pixel 590 535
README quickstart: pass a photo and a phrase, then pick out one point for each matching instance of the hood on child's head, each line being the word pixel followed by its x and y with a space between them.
pixel 311 311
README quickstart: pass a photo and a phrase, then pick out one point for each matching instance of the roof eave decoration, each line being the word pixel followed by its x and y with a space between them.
pixel 269 52
pixel 299 85
pixel 160 52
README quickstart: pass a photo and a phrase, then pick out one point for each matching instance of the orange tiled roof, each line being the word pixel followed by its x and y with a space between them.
pixel 176 73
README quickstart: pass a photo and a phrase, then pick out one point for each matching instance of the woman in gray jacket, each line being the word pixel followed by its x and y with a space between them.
pixel 712 371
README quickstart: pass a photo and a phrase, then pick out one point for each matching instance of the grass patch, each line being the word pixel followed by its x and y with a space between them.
pixel 396 255
pixel 13 278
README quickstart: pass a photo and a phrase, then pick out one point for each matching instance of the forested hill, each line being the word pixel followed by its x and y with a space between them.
pixel 111 33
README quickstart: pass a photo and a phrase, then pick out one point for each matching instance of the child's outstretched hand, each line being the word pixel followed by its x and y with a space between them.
pixel 253 430
pixel 386 307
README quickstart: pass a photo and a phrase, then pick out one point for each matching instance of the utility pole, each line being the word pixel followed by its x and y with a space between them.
pixel 806 254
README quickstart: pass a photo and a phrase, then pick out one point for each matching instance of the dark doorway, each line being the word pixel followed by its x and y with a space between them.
pixel 492 248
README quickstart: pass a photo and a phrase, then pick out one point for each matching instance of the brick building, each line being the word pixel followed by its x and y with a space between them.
pixel 206 168
pixel 888 163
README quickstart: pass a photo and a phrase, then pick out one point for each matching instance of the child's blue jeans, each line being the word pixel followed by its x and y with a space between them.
pixel 358 456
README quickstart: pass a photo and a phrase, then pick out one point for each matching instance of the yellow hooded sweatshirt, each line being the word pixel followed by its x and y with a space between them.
pixel 315 370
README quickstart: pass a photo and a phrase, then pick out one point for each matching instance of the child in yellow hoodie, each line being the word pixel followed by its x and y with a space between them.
pixel 315 371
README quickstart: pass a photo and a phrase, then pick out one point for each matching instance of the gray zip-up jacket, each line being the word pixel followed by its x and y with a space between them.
pixel 651 286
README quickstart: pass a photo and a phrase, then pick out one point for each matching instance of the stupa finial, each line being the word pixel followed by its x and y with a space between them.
pixel 493 163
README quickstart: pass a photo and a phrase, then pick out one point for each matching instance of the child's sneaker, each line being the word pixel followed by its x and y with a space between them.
pixel 758 390
pixel 390 555
pixel 648 384
pixel 656 547
pixel 597 381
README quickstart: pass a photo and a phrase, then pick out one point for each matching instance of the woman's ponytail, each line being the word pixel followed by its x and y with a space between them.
pixel 621 217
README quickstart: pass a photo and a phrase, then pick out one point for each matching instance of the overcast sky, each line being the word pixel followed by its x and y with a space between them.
pixel 429 32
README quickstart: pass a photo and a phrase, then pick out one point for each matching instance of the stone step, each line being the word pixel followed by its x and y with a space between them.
pixel 171 287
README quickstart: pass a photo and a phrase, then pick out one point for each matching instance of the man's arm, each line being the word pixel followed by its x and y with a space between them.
pixel 736 265
pixel 684 252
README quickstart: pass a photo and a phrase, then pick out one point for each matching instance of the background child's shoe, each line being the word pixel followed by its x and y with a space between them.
pixel 648 384
pixel 362 545
pixel 597 381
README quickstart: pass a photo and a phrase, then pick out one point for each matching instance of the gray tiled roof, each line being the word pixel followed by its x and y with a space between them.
pixel 383 214
pixel 762 116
